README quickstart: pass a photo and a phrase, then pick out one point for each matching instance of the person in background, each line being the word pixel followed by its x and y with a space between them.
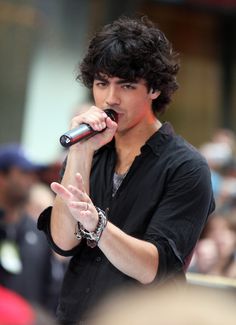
pixel 205 257
pixel 25 257
pixel 135 197
pixel 40 196
pixel 218 155
pixel 221 229
pixel 215 253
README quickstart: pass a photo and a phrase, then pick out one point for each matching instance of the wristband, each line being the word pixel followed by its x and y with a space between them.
pixel 92 237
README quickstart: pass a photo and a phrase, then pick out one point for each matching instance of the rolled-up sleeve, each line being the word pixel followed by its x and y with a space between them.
pixel 44 225
pixel 180 217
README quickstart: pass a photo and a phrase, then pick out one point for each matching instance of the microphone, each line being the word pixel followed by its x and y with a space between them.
pixel 84 131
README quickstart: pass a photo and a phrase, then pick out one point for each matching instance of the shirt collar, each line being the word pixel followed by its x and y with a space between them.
pixel 159 139
pixel 156 141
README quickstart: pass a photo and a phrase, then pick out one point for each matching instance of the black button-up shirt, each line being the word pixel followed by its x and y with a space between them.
pixel 165 199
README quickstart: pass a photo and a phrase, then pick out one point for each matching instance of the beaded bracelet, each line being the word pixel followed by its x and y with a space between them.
pixel 92 237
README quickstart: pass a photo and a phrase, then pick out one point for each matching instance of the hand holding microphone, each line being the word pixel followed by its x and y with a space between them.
pixel 84 131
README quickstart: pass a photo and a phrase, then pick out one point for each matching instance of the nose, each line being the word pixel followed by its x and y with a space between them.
pixel 112 98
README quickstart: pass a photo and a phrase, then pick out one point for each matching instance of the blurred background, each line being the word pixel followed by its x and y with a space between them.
pixel 42 42
pixel 41 45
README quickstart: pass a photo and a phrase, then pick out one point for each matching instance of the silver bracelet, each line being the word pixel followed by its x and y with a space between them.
pixel 77 232
pixel 92 237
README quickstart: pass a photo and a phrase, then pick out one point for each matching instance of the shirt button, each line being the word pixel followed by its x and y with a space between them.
pixel 87 290
pixel 98 259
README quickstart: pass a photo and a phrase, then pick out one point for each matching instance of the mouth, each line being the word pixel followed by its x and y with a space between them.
pixel 112 114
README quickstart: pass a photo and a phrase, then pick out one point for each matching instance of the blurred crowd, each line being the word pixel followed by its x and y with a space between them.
pixel 215 253
pixel 30 269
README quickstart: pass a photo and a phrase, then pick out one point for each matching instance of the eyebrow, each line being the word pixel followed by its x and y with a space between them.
pixel 119 82
pixel 125 81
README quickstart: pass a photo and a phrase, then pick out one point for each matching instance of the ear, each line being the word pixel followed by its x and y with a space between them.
pixel 154 93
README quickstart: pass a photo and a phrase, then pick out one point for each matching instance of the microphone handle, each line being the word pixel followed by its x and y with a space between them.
pixel 83 131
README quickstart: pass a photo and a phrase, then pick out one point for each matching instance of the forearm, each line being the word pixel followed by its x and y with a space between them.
pixel 62 222
pixel 136 258
pixel 79 162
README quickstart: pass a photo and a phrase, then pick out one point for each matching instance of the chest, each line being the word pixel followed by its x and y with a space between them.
pixel 136 198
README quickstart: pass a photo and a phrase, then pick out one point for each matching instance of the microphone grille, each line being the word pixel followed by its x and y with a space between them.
pixel 112 114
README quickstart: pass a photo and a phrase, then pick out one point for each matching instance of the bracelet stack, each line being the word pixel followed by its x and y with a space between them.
pixel 92 237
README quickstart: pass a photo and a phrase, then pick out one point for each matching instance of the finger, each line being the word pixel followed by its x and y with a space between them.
pixel 96 123
pixel 85 213
pixel 98 119
pixel 110 123
pixel 60 190
pixel 80 210
pixel 76 192
pixel 80 182
pixel 111 128
pixel 95 117
pixel 81 206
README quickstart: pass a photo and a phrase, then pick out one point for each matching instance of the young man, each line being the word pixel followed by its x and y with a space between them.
pixel 153 188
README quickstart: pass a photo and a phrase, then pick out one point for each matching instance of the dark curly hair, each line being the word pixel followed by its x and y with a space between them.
pixel 133 49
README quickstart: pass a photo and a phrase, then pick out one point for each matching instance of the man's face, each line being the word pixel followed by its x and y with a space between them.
pixel 17 185
pixel 131 100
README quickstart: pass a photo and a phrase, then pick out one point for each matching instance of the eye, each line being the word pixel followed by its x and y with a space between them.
pixel 128 86
pixel 100 84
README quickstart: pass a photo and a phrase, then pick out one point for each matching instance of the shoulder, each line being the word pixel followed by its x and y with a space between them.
pixel 178 154
pixel 184 166
pixel 168 145
pixel 186 151
pixel 188 160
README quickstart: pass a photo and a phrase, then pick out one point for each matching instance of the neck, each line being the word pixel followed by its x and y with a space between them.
pixel 129 143
pixel 137 135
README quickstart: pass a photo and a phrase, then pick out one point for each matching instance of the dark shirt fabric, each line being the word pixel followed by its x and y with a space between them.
pixel 164 199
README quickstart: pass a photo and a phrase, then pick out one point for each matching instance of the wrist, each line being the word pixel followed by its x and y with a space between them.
pixel 92 237
pixel 81 148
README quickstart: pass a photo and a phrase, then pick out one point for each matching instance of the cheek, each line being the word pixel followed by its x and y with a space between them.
pixel 98 97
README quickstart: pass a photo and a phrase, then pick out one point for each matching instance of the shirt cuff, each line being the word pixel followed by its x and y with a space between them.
pixel 170 263
pixel 44 225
